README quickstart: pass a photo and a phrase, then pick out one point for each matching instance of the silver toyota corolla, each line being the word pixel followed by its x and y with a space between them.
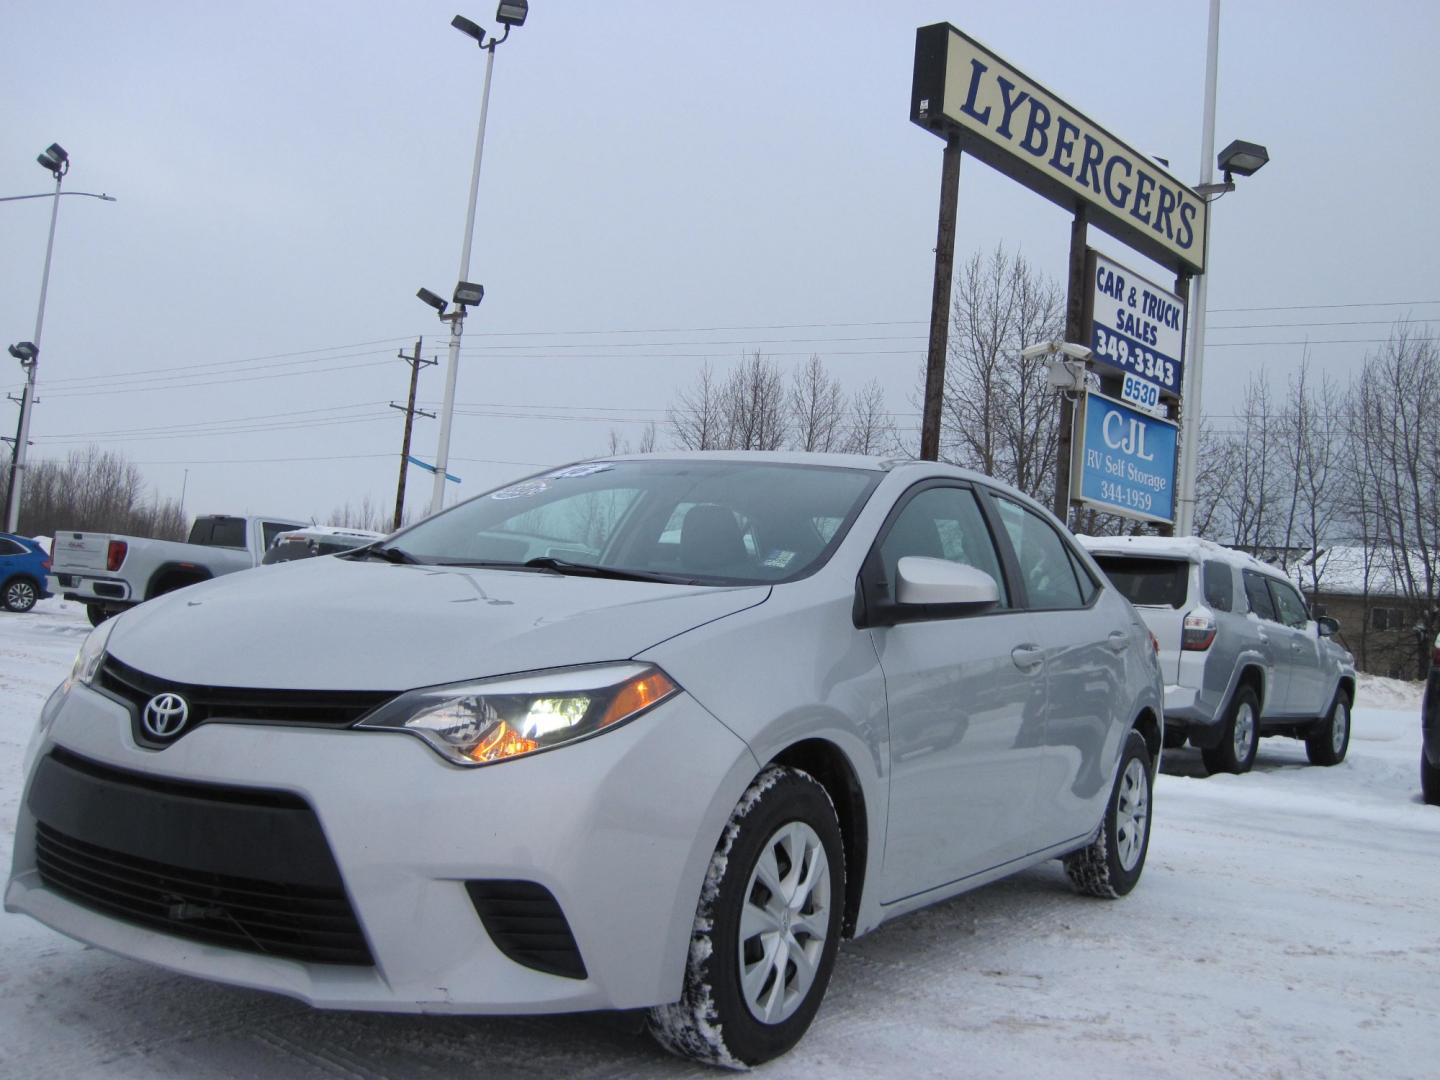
pixel 647 732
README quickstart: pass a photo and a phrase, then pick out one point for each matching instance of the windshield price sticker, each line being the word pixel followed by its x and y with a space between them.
pixel 1137 327
pixel 1144 395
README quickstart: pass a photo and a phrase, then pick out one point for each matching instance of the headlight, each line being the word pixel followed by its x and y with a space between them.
pixel 87 661
pixel 490 720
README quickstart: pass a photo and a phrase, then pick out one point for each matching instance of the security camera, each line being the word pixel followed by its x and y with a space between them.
pixel 1077 352
pixel 1044 348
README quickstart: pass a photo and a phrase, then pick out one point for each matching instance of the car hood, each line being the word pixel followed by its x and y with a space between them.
pixel 339 624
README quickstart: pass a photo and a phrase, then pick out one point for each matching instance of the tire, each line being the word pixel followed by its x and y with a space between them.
pixel 1235 752
pixel 1429 780
pixel 738 1007
pixel 20 594
pixel 1111 865
pixel 1330 738
pixel 96 614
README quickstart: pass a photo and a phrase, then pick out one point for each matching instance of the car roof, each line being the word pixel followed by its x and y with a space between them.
pixel 1193 548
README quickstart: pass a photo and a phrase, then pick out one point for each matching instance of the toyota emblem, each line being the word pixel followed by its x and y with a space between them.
pixel 164 715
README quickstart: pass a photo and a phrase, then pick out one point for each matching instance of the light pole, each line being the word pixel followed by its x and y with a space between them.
pixel 57 162
pixel 510 13
pixel 1243 159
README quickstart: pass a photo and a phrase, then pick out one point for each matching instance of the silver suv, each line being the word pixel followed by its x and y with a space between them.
pixel 1239 651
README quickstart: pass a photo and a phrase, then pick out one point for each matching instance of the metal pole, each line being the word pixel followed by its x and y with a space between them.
pixel 457 320
pixel 940 301
pixel 17 464
pixel 1074 331
pixel 1194 373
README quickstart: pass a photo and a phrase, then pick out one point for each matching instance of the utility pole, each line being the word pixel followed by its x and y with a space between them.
pixel 416 363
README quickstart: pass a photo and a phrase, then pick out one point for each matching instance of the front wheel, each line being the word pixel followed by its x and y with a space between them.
pixel 766 929
pixel 20 594
pixel 1429 780
pixel 1330 738
pixel 1236 750
pixel 1111 865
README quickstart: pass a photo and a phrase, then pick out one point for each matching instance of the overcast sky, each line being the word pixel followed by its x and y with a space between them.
pixel 662 184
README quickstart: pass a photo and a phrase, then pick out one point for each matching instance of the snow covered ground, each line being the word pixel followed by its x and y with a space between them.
pixel 1286 926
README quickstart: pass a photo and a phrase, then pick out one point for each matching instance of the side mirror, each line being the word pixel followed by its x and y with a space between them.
pixel 1327 626
pixel 926 581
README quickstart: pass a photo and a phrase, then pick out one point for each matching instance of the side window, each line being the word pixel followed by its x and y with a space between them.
pixel 1291 607
pixel 1088 585
pixel 269 530
pixel 1045 563
pixel 943 523
pixel 1259 595
pixel 227 532
pixel 10 547
pixel 1218 584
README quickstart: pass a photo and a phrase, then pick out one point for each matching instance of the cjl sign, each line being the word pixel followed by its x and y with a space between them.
pixel 1125 460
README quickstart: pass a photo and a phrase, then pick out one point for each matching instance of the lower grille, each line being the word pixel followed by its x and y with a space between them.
pixel 526 924
pixel 224 866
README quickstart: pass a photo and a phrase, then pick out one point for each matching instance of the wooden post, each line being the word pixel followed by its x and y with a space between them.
pixel 940 302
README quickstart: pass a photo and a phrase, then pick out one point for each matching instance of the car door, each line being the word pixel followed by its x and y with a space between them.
pixel 1086 646
pixel 1273 640
pixel 1303 698
pixel 966 700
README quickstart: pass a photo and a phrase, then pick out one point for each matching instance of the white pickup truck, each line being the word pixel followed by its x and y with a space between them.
pixel 109 573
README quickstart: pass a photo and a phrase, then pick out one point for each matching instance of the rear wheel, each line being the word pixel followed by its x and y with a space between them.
pixel 766 929
pixel 1235 752
pixel 1111 865
pixel 20 594
pixel 1330 738
pixel 96 614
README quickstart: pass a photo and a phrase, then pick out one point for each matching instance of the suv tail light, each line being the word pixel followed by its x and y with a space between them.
pixel 115 554
pixel 1154 643
pixel 1199 631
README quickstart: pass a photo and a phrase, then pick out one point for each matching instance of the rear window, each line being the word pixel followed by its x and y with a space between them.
pixel 1147 582
pixel 218 532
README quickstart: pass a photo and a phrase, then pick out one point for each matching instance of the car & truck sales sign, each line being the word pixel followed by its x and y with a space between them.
pixel 1136 327
pixel 1125 460
pixel 1017 126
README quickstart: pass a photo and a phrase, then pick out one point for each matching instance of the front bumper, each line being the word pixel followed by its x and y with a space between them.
pixel 618 828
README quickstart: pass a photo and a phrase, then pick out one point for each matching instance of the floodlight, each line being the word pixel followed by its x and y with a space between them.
pixel 512 12
pixel 434 301
pixel 465 26
pixel 55 159
pixel 1242 158
pixel 469 294
pixel 25 352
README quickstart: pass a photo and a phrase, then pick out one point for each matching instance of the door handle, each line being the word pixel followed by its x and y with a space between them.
pixel 1028 658
pixel 1117 641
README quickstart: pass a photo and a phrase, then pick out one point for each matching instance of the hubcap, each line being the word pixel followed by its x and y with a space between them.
pixel 21 594
pixel 1339 727
pixel 1244 732
pixel 1132 814
pixel 783 922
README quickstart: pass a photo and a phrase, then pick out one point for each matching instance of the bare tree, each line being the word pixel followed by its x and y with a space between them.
pixel 95 490
pixel 1247 456
pixel 817 408
pixel 698 417
pixel 1311 426
pixel 753 405
pixel 869 429
pixel 1394 412
pixel 618 444
pixel 999 414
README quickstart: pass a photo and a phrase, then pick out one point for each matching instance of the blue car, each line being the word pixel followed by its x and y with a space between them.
pixel 23 566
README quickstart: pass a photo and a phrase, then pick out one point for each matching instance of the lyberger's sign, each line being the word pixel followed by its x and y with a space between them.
pixel 1018 127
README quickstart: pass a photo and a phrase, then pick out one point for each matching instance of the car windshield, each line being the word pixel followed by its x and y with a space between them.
pixel 712 522
pixel 1147 582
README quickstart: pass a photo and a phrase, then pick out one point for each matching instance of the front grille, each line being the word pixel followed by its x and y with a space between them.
pixel 246 870
pixel 526 924
pixel 322 708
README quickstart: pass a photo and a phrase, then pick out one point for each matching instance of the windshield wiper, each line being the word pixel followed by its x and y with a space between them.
pixel 389 554
pixel 565 566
